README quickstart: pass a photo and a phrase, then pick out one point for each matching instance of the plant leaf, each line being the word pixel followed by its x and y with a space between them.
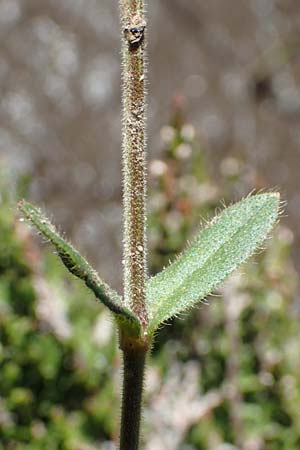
pixel 220 248
pixel 79 267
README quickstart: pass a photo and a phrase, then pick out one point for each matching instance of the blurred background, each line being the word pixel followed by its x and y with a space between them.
pixel 224 116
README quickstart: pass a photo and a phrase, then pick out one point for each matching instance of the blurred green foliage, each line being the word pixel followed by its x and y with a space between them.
pixel 56 390
pixel 224 377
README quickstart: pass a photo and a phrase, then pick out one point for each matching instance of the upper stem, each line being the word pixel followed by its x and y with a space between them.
pixel 134 155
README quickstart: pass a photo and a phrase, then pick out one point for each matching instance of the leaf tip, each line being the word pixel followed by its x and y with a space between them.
pixel 278 201
pixel 24 207
pixel 276 196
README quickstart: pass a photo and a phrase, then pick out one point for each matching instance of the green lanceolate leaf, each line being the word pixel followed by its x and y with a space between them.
pixel 220 248
pixel 79 267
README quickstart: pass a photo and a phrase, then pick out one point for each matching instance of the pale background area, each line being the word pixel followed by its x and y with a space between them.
pixel 236 62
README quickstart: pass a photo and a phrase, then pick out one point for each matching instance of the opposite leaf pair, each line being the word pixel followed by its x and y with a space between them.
pixel 219 248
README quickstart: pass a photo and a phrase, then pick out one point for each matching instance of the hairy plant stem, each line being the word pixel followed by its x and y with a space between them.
pixel 134 159
pixel 133 375
pixel 134 186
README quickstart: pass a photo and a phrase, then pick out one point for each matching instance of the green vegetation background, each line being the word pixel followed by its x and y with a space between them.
pixel 225 376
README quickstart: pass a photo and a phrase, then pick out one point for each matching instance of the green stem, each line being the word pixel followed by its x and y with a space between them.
pixel 133 376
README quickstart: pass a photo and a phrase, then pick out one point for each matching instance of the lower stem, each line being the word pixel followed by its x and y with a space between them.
pixel 133 377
